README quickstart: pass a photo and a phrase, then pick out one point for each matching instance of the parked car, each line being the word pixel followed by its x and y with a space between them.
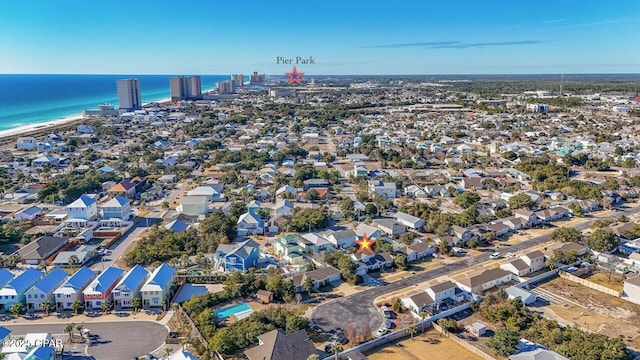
pixel 510 255
pixel 389 314
pixel 381 331
pixel 495 255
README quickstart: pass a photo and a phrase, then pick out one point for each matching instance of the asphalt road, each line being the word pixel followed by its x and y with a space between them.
pixel 358 309
pixel 112 341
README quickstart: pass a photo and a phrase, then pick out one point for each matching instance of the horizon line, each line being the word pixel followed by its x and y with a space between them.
pixel 311 75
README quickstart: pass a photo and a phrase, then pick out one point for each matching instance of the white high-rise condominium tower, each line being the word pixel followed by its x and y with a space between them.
pixel 129 94
pixel 185 88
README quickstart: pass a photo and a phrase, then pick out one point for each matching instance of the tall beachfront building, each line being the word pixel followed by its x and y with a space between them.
pixel 238 79
pixel 185 88
pixel 129 94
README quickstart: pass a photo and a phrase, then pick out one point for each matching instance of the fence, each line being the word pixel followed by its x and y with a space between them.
pixel 402 333
pixel 194 329
pixel 474 349
pixel 589 284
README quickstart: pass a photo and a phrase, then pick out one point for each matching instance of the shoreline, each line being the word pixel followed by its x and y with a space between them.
pixel 35 129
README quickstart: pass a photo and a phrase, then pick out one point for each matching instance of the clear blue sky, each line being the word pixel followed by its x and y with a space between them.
pixel 343 37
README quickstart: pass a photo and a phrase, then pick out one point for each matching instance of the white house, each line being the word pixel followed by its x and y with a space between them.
pixel 485 280
pixel 409 220
pixel 29 213
pixel 26 143
pixel 119 208
pixel 384 189
pixel 129 287
pixel 193 205
pixel 416 251
pixel 342 239
pixel 631 288
pixel 442 291
pixel 85 208
pixel 283 208
pixel 71 290
pixel 43 290
pixel 250 223
pixel 526 264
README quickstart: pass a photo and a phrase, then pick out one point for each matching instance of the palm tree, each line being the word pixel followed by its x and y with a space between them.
pixel 313 357
pixel 43 266
pixel 76 306
pixel 336 348
pixel 136 304
pixel 73 261
pixel 167 351
pixel 16 309
pixel 79 327
pixel 69 330
pixel 106 306
pixel 423 315
pixel 412 330
pixel 46 307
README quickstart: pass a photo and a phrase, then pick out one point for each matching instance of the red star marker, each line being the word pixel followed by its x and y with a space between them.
pixel 294 76
pixel 365 245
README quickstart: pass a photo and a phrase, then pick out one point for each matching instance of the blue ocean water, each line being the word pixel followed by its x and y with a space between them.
pixel 30 99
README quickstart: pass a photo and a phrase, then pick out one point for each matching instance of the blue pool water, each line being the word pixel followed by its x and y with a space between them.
pixel 232 310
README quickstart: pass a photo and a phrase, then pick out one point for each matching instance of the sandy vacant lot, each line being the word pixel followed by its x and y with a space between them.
pixel 431 343
pixel 592 310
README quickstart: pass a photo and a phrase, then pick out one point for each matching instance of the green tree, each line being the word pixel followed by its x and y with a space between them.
pixel 311 195
pixel 46 307
pixel 520 201
pixel 400 262
pixel 411 330
pixel 371 210
pixel 313 357
pixel 16 309
pixel 466 199
pixel 505 341
pixel 602 240
pixel 576 210
pixel 106 306
pixel 567 235
pixel 347 207
pixel 76 306
pixel 68 329
pixel 136 304
pixel 308 284
pixel 73 261
pixel 336 348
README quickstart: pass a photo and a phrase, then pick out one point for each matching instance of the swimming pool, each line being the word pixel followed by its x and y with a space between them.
pixel 238 309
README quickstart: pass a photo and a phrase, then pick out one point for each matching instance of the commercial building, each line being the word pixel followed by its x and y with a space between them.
pixel 129 94
pixel 185 88
pixel 257 79
pixel 238 79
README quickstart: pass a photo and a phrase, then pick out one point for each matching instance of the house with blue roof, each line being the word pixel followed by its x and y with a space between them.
pixel 117 208
pixel 5 277
pixel 239 256
pixel 72 288
pixel 129 287
pixel 177 225
pixel 100 289
pixel 159 287
pixel 85 208
pixel 43 290
pixel 15 290
pixel 29 213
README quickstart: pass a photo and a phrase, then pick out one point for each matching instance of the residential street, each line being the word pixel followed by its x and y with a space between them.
pixel 358 309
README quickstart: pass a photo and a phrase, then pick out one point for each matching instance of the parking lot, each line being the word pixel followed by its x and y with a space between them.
pixel 109 341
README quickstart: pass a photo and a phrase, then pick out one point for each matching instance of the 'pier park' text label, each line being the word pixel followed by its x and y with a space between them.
pixel 297 59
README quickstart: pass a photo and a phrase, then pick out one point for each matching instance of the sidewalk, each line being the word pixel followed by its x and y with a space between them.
pixel 84 319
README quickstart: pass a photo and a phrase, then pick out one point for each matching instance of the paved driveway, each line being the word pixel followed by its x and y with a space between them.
pixel 358 309
pixel 112 341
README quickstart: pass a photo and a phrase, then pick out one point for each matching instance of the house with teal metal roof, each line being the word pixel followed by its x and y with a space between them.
pixel 72 288
pixel 129 287
pixel 158 289
pixel 15 290
pixel 100 289
pixel 43 290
